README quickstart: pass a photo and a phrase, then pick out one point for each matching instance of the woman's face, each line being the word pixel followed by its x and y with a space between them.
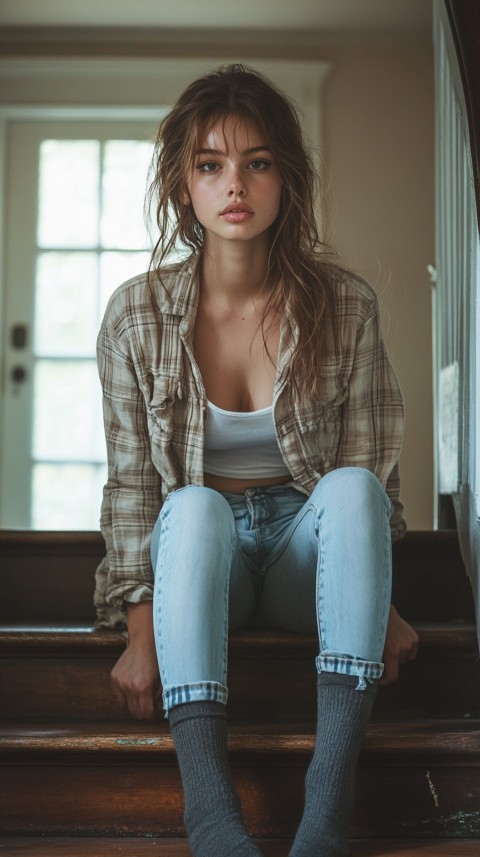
pixel 235 185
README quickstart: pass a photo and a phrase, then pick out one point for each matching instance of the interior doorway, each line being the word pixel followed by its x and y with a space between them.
pixel 75 230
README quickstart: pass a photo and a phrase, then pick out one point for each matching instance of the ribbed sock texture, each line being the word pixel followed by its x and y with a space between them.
pixel 343 716
pixel 212 810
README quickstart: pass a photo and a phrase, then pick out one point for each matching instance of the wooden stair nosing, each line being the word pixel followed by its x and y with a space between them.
pixel 458 739
pixel 62 672
pixel 90 542
pixel 36 543
pixel 30 846
pixel 83 637
pixel 136 789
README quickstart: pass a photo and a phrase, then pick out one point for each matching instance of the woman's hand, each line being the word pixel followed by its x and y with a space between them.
pixel 401 646
pixel 135 678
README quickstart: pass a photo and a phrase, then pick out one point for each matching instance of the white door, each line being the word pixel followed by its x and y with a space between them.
pixel 74 230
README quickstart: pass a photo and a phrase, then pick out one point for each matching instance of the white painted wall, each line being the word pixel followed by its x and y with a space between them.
pixel 379 148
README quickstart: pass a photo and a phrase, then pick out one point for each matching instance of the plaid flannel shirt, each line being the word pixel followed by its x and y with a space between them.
pixel 155 406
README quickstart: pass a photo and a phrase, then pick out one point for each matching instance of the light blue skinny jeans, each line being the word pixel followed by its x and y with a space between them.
pixel 271 558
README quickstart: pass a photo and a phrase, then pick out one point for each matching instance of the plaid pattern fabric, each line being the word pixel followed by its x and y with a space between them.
pixel 155 405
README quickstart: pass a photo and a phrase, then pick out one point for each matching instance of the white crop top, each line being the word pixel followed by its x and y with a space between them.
pixel 242 445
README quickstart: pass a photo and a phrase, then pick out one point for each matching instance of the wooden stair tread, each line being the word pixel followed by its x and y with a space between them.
pixel 157 847
pixel 58 672
pixel 415 779
pixel 459 738
pixel 47 635
pixel 51 542
pixel 24 542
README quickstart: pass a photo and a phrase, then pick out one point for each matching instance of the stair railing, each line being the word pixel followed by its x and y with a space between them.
pixel 456 317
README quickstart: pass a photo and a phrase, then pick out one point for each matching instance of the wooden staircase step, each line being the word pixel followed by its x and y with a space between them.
pixel 62 672
pixel 447 738
pixel 83 638
pixel 49 576
pixel 415 779
pixel 153 847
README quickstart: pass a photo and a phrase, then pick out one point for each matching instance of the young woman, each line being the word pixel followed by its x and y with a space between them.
pixel 253 425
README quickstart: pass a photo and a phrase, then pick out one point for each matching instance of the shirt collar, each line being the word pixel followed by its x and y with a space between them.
pixel 177 293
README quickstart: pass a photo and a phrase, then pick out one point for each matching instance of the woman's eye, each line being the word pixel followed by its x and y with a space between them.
pixel 259 164
pixel 207 167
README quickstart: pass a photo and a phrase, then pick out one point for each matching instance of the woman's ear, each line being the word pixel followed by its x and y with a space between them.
pixel 185 197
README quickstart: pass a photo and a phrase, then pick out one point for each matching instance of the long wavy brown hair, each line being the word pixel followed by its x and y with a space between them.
pixel 301 269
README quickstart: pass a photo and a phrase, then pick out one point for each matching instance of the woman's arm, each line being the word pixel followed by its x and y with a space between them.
pixel 135 677
pixel 373 413
pixel 132 499
pixel 132 494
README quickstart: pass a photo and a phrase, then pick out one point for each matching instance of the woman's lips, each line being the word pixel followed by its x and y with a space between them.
pixel 237 213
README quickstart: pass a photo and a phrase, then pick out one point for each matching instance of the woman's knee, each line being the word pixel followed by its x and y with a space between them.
pixel 354 488
pixel 197 503
pixel 192 518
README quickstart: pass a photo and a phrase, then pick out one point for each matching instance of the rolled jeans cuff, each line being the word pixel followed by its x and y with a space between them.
pixel 367 671
pixel 202 691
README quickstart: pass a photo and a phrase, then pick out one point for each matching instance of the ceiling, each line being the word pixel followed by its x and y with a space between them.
pixel 327 16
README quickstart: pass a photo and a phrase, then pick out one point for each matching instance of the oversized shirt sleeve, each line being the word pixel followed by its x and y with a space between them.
pixel 132 494
pixel 373 414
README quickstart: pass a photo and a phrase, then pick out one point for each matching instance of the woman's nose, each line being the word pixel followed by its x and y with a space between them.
pixel 235 185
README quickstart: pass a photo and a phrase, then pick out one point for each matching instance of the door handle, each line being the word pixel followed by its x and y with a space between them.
pixel 19 334
pixel 18 374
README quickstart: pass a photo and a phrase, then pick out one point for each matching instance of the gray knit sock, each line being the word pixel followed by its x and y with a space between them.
pixel 343 716
pixel 212 809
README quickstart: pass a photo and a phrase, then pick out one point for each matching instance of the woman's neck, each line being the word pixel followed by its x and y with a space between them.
pixel 234 273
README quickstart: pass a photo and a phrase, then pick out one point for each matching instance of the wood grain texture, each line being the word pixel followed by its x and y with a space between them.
pixel 71 766
pixel 440 738
pixel 77 637
pixel 414 779
pixel 62 672
pixel 154 847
